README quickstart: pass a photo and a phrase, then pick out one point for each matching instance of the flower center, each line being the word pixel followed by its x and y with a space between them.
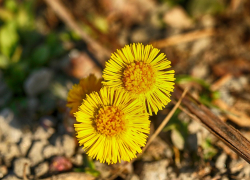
pixel 110 121
pixel 138 77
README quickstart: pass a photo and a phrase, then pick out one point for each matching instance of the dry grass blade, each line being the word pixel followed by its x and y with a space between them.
pixel 181 38
pixel 228 134
pixel 233 114
pixel 165 121
pixel 156 133
pixel 68 18
pixel 24 171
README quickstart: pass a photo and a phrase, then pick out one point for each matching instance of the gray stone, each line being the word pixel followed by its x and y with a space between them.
pixel 32 103
pixel 104 169
pixel 10 126
pixel 155 170
pixel 224 178
pixel 5 93
pixel 177 18
pixel 11 177
pixel 221 160
pixel 246 171
pixel 157 149
pixel 192 141
pixel 42 133
pixel 73 175
pixel 185 176
pixel 201 133
pixel 134 177
pixel 194 127
pixel 208 21
pixel 77 160
pixel 9 153
pixel 41 169
pixel 172 175
pixel 59 145
pixel 3 148
pixel 48 121
pixel 69 145
pixel 50 151
pixel 200 71
pixel 170 169
pixel 3 171
pixel 61 129
pixel 35 153
pixel 237 84
pixel 143 33
pixel 19 165
pixel 38 81
pixel 80 150
pixel 25 143
pixel 226 96
pixel 139 35
pixel 200 45
pixel 123 36
pixel 177 139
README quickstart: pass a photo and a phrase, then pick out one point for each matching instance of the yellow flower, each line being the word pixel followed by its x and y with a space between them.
pixel 142 71
pixel 79 91
pixel 112 125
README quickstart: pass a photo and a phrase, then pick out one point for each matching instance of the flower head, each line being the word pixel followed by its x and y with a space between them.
pixel 79 91
pixel 142 71
pixel 112 125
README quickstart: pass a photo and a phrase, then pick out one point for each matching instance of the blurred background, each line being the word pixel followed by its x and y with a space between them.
pixel 46 46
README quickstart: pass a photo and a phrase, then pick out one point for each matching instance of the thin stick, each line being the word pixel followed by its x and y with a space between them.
pixel 24 171
pixel 226 133
pixel 65 15
pixel 165 121
pixel 181 38
pixel 187 112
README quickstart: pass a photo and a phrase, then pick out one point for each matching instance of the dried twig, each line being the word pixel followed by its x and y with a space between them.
pixel 181 38
pixel 24 171
pixel 234 5
pixel 165 121
pixel 103 38
pixel 68 18
pixel 228 134
pixel 233 114
pixel 219 83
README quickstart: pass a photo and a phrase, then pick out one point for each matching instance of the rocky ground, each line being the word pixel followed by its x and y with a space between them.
pixel 36 131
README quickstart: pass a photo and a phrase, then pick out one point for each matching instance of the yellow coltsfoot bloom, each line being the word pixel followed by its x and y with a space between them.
pixel 112 125
pixel 79 91
pixel 142 71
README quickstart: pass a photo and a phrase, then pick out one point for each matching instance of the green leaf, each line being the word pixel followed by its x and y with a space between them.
pixel 101 23
pixel 206 96
pixel 11 5
pixel 6 15
pixel 54 44
pixel 78 170
pixel 185 78
pixel 176 124
pixel 198 7
pixel 93 172
pixel 4 61
pixel 15 76
pixel 90 166
pixel 40 55
pixel 209 150
pixel 8 39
